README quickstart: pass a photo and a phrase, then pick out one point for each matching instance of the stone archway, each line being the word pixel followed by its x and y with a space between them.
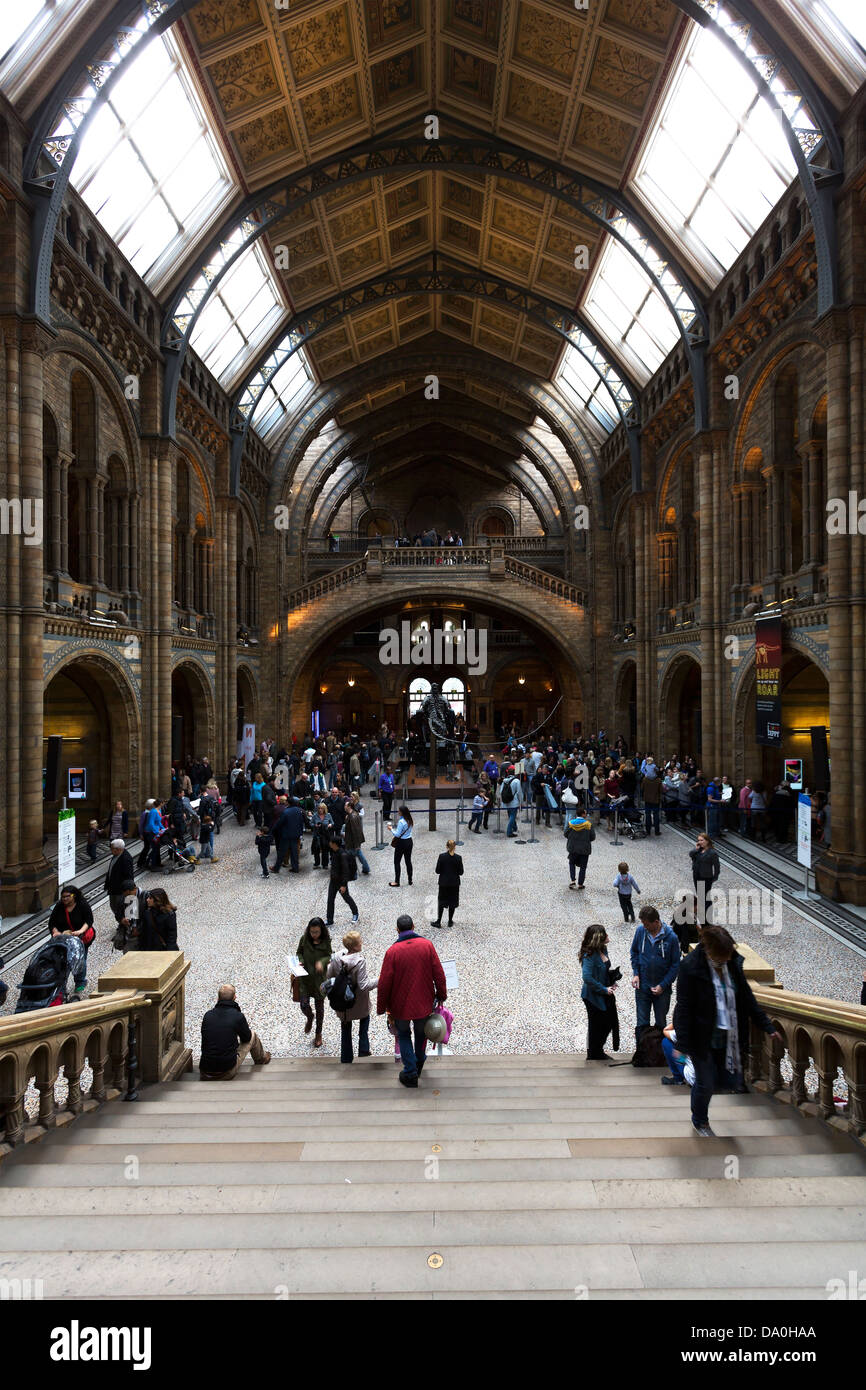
pixel 89 702
pixel 248 703
pixel 193 726
pixel 805 704
pixel 625 704
pixel 680 708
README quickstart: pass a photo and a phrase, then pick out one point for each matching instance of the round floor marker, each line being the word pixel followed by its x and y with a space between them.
pixel 436 1148
pixel 436 1093
pixel 435 1261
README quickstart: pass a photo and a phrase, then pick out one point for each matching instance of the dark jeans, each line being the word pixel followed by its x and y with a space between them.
pixel 658 1004
pixel 444 902
pixel 651 817
pixel 307 1010
pixel 91 854
pixel 542 809
pixel 387 798
pixel 627 906
pixel 286 846
pixel 413 1057
pixel 263 856
pixel 346 1053
pixel 710 1076
pixel 257 811
pixel 344 893
pixel 599 1026
pixel 580 862
pixel 475 821
pixel 402 850
pixel 321 851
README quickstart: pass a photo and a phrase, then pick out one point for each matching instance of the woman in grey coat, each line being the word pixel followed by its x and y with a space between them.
pixel 362 985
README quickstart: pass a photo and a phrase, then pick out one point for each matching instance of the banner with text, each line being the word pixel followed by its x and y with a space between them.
pixel 768 675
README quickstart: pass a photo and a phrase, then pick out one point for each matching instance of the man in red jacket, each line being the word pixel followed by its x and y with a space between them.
pixel 410 982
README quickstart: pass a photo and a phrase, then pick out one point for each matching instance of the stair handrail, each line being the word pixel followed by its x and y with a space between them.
pixel 541 579
pixel 327 583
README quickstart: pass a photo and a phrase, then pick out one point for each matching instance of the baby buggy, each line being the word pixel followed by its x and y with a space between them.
pixel 631 822
pixel 44 982
pixel 180 856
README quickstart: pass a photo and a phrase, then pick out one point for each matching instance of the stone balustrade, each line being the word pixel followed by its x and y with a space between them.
pixel 130 1030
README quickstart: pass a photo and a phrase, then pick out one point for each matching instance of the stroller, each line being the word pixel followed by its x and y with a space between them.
pixel 180 856
pixel 631 822
pixel 44 983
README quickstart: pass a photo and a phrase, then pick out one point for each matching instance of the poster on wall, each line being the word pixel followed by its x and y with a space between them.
pixel 76 784
pixel 65 846
pixel 247 745
pixel 768 677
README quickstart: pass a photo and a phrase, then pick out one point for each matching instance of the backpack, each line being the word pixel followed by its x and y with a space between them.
pixel 506 796
pixel 649 1049
pixel 207 807
pixel 341 996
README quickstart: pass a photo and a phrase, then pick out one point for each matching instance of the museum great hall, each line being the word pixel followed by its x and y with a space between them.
pixel 284 284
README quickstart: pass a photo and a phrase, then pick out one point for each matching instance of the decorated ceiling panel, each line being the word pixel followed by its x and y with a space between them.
pixel 293 85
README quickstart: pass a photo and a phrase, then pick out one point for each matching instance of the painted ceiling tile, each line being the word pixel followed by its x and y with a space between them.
pixel 381 343
pixel 621 75
pixel 410 305
pixel 388 21
pixel 549 42
pixel 409 234
pixel 360 258
pixel 512 189
pixel 469 76
pixel 212 20
pixel 319 43
pixel 505 253
pixel 265 137
pixel 535 104
pixel 655 18
pixel 396 78
pixel 479 20
pixel 353 223
pixel 603 133
pixel 328 108
pixel 469 201
pixel 406 199
pixel 568 281
pixel 467 238
pixel 371 323
pixel 347 193
pixel 517 221
pixel 244 78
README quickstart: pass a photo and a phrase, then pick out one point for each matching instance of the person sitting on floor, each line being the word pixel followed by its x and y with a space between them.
pixel 226 1039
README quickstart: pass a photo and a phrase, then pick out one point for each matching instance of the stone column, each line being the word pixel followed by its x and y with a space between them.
pixel 133 524
pixel 772 560
pixel 736 495
pixel 100 530
pixel 52 557
pixel 706 584
pixel 27 881
pixel 64 463
pixel 667 568
pixel 644 618
pixel 122 525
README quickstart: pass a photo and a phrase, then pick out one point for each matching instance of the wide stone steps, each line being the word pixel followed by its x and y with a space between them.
pixel 528 1177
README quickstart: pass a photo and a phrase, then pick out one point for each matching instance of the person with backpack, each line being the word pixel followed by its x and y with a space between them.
pixel 509 795
pixel 349 995
pixel 579 835
pixel 449 868
pixel 344 870
pixel 598 992
pixel 655 960
pixel 410 983
pixel 314 953
pixel 401 841
pixel 714 1008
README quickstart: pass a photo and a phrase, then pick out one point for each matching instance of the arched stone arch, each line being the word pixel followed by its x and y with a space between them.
pixel 625 702
pixel 75 351
pixel 203 736
pixel 104 672
pixel 248 697
pixel 493 514
pixel 679 670
pixel 746 753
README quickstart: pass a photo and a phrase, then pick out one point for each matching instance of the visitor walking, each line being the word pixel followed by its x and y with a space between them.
pixel 509 795
pixel 314 953
pixel 480 802
pixel 579 835
pixel 401 841
pixel 705 871
pixel 714 1008
pixel 626 884
pixel 343 872
pixel 597 993
pixel 352 961
pixel 651 791
pixel 449 867
pixel 386 791
pixel 353 830
pixel 410 983
pixel 120 871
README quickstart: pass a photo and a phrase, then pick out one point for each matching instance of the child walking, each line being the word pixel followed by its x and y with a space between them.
pixel 92 840
pixel 625 883
pixel 264 845
pixel 205 839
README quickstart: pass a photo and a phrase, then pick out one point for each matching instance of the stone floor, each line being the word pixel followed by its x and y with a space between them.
pixel 515 939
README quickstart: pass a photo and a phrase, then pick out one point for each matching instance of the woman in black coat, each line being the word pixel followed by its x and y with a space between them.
pixel 705 871
pixel 158 922
pixel 449 867
pixel 710 980
pixel 71 913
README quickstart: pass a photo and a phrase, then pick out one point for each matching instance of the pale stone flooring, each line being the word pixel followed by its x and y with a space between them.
pixel 515 939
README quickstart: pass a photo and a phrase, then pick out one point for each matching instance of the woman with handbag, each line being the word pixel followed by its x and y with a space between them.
pixel 401 841
pixel 597 993
pixel 314 953
pixel 158 922
pixel 72 915
pixel 353 961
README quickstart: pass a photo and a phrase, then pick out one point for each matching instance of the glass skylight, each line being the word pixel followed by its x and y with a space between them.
pixel 717 160
pixel 149 168
pixel 239 316
pixel 281 397
pixel 15 20
pixel 583 387
pixel 628 311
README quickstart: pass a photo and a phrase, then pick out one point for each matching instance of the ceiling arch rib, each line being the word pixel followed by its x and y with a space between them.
pixel 387 427
pixel 542 399
pixel 607 208
pixel 335 458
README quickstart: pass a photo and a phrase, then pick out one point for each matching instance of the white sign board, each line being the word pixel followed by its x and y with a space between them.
pixel 247 745
pixel 65 847
pixel 450 968
pixel 804 830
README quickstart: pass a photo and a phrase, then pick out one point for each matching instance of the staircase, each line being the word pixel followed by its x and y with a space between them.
pixel 501 1177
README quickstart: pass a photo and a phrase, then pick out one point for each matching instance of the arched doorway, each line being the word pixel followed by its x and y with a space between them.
pixel 680 709
pixel 805 705
pixel 191 715
pixel 91 707
pixel 625 707
pixel 247 704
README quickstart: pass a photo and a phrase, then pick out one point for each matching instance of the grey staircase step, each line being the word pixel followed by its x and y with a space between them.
pixel 400 1102
pixel 322 1228
pixel 395 1195
pixel 43 1168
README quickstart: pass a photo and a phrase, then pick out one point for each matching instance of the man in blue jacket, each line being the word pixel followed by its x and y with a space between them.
pixel 287 830
pixel 655 960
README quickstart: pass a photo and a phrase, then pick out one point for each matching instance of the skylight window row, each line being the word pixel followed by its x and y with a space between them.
pixel 149 168
pixel 239 316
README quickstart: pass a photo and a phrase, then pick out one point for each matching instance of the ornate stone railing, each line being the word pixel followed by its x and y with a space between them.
pixel 130 1030
pixel 548 583
pixel 326 584
pixel 423 556
pixel 824 1032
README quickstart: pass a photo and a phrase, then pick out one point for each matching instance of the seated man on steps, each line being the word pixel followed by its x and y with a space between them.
pixel 226 1038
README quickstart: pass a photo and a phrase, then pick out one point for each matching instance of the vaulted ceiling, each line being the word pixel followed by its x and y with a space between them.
pixel 292 85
